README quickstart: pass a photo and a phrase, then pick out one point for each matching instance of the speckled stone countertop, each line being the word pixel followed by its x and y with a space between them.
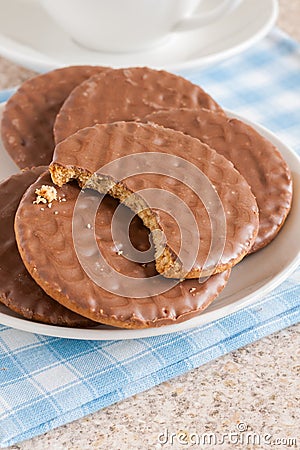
pixel 256 387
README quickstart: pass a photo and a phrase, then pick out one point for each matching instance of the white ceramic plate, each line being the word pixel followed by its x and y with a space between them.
pixel 250 280
pixel 30 37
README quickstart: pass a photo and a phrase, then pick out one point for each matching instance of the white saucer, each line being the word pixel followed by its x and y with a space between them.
pixel 29 37
pixel 250 280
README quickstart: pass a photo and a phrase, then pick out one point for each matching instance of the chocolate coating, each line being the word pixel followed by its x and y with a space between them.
pixel 90 149
pixel 47 248
pixel 18 291
pixel 126 94
pixel 28 118
pixel 255 157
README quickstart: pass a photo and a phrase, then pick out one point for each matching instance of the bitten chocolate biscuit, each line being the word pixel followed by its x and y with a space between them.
pixel 28 118
pixel 127 94
pixel 46 243
pixel 255 157
pixel 187 161
pixel 18 291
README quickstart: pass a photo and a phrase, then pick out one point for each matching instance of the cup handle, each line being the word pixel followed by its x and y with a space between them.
pixel 198 20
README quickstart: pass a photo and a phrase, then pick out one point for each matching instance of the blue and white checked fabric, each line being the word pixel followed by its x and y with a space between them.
pixel 46 382
pixel 5 94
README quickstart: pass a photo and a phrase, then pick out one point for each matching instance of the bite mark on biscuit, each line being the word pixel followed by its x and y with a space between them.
pixel 167 262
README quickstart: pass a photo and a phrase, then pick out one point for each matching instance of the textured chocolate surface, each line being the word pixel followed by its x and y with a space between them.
pixel 255 158
pixel 91 148
pixel 18 291
pixel 47 247
pixel 127 94
pixel 28 118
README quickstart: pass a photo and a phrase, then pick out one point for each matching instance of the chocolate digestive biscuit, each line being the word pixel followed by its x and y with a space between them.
pixel 127 94
pixel 49 250
pixel 85 155
pixel 255 158
pixel 28 117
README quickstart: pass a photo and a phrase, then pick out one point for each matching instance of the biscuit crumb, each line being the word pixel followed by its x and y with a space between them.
pixel 42 209
pixel 55 212
pixel 45 194
pixel 120 252
pixel 89 226
pixel 192 290
pixel 39 199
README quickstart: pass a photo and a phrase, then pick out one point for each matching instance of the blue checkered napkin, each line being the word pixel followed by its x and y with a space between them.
pixel 5 94
pixel 46 382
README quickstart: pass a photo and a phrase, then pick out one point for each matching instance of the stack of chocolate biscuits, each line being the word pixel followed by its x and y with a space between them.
pixel 137 197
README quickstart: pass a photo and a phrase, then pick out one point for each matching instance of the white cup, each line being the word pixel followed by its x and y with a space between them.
pixel 130 25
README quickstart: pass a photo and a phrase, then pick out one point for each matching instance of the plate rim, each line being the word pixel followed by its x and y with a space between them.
pixel 201 320
pixel 43 62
